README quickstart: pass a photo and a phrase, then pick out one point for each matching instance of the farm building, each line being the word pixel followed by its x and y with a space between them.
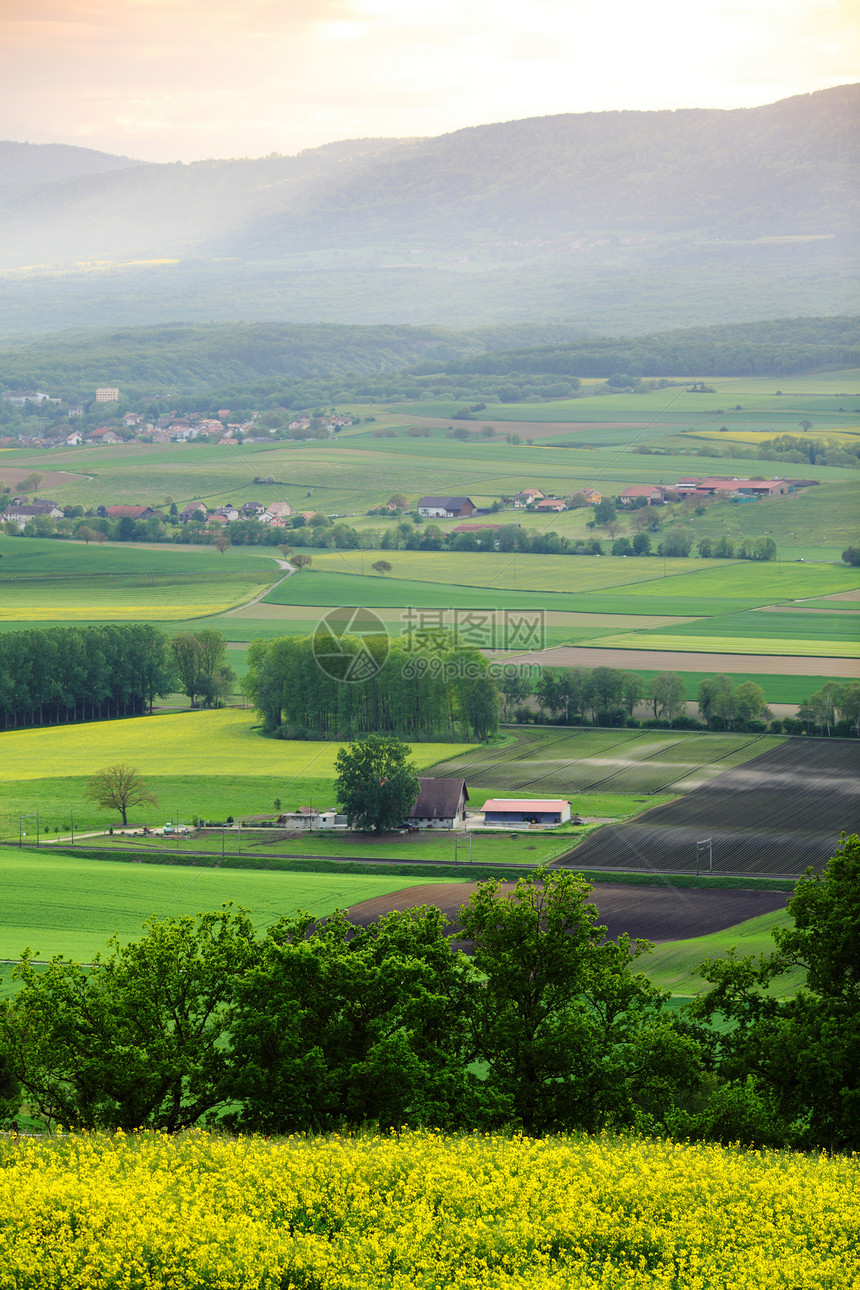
pixel 450 508
pixel 519 810
pixel 127 512
pixel 441 804
pixel 527 497
pixel 653 496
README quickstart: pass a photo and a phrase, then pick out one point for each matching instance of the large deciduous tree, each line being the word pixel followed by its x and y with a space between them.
pixel 199 661
pixel 667 693
pixel 571 1035
pixel 119 788
pixel 800 1055
pixel 134 1040
pixel 342 1024
pixel 377 783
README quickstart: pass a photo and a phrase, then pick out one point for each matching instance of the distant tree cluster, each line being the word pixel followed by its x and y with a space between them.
pixel 607 696
pixel 60 674
pixel 53 675
pixel 834 709
pixel 322 686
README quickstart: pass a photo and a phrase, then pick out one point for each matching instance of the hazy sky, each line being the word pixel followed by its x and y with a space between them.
pixel 168 80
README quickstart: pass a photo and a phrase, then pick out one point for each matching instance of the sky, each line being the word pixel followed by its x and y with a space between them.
pixel 185 80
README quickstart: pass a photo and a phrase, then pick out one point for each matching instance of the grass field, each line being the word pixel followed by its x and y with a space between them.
pixel 206 763
pixel 45 580
pixel 583 765
pixel 673 966
pixel 60 905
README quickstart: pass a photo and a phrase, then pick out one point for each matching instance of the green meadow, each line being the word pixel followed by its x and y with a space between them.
pixel 206 763
pixel 57 904
pixel 43 580
pixel 673 965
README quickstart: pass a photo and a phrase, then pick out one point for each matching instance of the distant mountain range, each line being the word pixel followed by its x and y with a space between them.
pixel 631 221
pixel 787 169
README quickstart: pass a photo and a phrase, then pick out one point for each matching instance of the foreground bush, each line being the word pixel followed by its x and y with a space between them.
pixel 421 1210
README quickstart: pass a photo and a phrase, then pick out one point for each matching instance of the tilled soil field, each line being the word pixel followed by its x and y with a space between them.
pixel 774 815
pixel 659 913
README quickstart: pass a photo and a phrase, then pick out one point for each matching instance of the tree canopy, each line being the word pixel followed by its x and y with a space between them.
pixel 377 783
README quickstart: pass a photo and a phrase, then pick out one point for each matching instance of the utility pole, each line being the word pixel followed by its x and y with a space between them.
pixel 709 843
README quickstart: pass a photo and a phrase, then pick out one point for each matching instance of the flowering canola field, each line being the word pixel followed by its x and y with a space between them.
pixel 421 1210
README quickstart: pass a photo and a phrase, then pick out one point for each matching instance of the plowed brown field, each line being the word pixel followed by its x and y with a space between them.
pixel 774 815
pixel 659 913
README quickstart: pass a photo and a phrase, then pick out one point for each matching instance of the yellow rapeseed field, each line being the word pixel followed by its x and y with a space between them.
pixel 421 1210
pixel 220 741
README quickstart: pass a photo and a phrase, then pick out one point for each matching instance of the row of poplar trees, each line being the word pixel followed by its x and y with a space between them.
pixel 55 675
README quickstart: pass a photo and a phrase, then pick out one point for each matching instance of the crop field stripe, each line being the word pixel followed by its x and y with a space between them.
pixel 731 753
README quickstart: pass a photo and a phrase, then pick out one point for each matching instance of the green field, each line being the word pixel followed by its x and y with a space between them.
pixel 60 905
pixel 44 580
pixel 583 765
pixel 209 763
pixel 673 965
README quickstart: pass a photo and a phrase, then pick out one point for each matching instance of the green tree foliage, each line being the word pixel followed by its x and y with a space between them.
pixel 119 788
pixel 716 700
pixel 414 689
pixel 677 541
pixel 134 1040
pixel 801 1056
pixel 61 674
pixel 199 661
pixel 339 1024
pixel 570 1033
pixel 376 784
pixel 749 703
pixel 668 695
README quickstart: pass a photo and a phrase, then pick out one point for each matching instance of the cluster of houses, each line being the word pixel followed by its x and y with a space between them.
pixel 695 487
pixel 274 513
pixel 19 511
pixel 699 488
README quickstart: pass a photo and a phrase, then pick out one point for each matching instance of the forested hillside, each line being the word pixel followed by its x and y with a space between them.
pixel 321 364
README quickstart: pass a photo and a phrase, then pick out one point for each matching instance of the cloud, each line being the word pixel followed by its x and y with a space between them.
pixel 183 79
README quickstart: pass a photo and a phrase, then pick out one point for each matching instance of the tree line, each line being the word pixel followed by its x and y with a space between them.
pixel 55 675
pixel 416 688
pixel 545 1026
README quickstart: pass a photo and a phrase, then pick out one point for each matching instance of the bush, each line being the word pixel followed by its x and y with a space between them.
pixel 791 726
pixel 776 727
pixel 291 732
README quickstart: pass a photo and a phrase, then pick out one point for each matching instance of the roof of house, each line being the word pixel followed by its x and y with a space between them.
pixel 526 804
pixel 438 799
pixel 132 512
pixel 449 503
pixel 641 490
